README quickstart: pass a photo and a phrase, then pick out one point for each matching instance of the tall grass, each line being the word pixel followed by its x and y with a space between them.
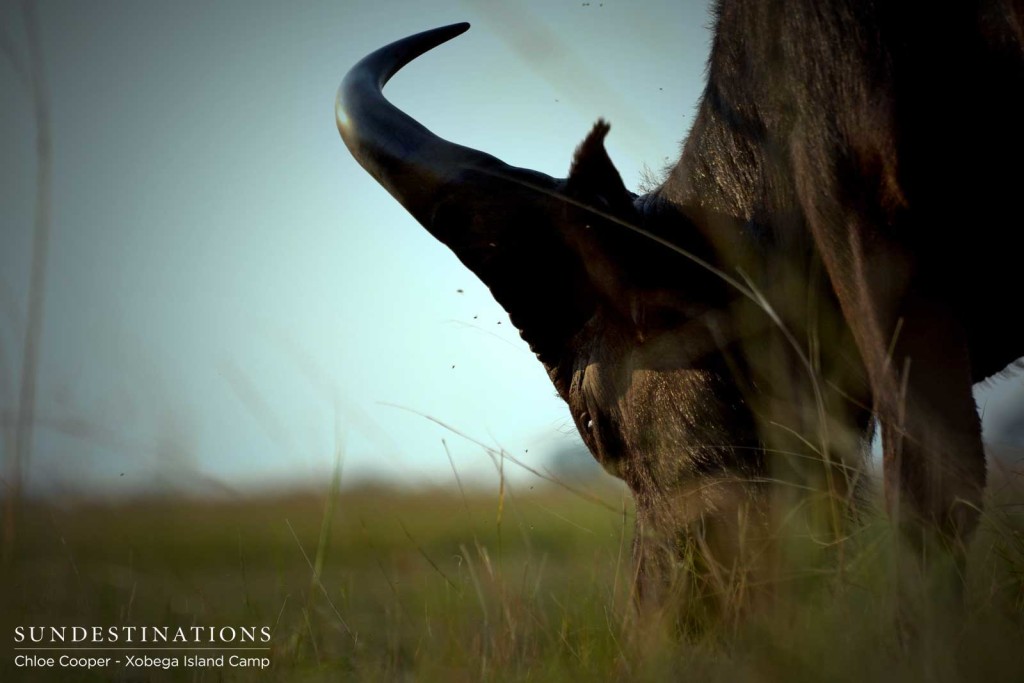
pixel 435 585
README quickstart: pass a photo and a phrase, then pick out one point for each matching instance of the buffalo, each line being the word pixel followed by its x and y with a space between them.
pixel 834 252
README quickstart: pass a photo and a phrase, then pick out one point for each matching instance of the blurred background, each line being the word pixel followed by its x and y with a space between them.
pixel 225 302
pixel 240 385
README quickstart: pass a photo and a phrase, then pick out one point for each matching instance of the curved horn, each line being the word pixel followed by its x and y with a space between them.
pixel 410 162
pixel 508 225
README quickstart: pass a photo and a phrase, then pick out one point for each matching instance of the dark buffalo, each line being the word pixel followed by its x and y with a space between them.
pixel 839 241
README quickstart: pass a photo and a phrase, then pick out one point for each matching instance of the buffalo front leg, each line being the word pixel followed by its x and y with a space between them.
pixel 916 356
pixel 933 458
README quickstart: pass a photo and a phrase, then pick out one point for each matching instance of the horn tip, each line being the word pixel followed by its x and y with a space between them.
pixel 458 27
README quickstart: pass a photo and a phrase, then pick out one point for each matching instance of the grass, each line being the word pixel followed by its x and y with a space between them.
pixel 376 584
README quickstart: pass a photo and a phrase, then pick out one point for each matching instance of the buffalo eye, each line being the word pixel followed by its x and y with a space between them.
pixel 586 422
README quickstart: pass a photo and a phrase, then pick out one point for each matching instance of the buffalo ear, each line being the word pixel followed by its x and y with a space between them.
pixel 630 247
pixel 599 211
pixel 593 179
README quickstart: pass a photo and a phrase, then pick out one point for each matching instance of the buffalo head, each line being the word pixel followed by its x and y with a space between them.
pixel 621 298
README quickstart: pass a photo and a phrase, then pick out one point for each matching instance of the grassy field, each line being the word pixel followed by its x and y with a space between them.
pixel 528 584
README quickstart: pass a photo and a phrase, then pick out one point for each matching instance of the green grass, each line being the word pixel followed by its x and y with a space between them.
pixel 529 584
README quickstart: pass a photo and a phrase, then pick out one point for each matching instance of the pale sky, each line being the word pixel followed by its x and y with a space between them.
pixel 228 290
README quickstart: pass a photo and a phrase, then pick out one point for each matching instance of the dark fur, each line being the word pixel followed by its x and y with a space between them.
pixel 839 240
pixel 869 155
